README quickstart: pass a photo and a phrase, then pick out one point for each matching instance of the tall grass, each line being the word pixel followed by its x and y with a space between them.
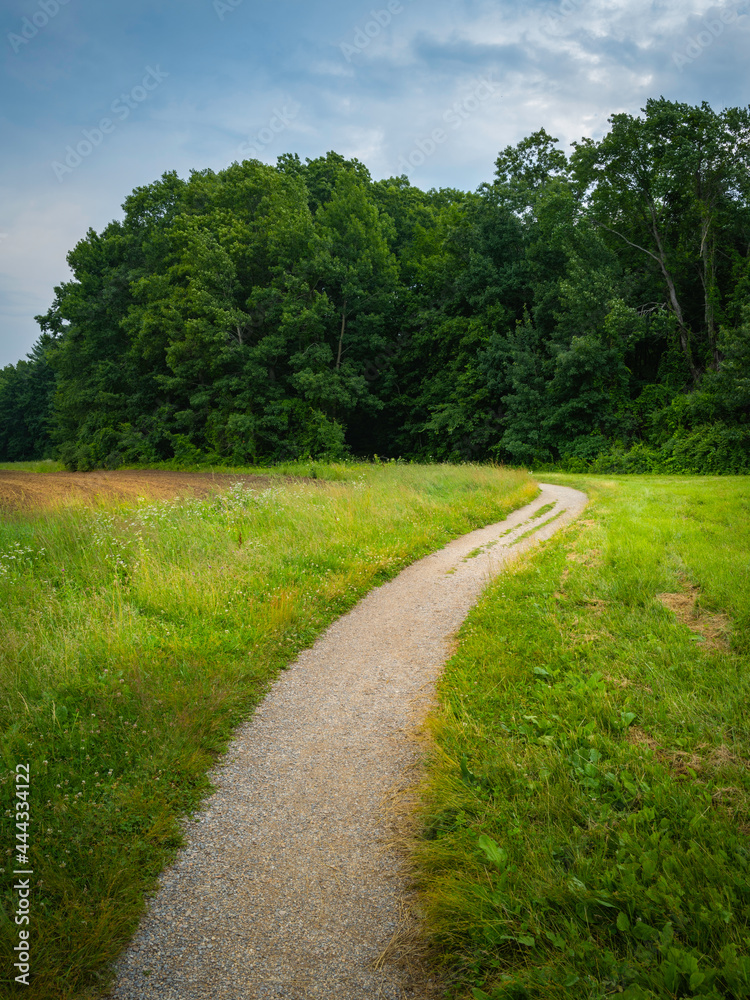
pixel 587 812
pixel 40 465
pixel 136 637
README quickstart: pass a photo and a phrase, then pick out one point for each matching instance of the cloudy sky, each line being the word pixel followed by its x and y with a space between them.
pixel 98 98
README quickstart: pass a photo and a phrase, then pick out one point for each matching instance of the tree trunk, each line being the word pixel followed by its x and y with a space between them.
pixel 708 256
pixel 661 260
pixel 677 308
pixel 341 335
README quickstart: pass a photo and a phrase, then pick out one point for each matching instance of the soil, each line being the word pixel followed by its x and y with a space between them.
pixel 29 491
pixel 711 629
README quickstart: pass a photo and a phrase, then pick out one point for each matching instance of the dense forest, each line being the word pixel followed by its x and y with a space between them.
pixel 591 311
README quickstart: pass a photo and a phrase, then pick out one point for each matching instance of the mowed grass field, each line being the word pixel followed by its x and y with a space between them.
pixel 136 636
pixel 585 831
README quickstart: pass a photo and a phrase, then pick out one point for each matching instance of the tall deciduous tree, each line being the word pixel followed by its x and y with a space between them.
pixel 666 185
pixel 570 308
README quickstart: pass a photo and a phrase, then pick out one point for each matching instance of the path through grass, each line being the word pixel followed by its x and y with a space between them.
pixel 587 819
pixel 135 638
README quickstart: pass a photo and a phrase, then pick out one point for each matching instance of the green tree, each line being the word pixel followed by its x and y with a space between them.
pixel 667 186
pixel 26 398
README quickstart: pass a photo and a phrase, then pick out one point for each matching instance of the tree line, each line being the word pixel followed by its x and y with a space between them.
pixel 589 310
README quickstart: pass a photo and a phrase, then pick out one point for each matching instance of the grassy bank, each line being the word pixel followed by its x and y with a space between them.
pixel 587 817
pixel 136 638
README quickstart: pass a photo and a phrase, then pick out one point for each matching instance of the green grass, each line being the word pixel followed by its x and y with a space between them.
pixel 135 638
pixel 41 465
pixel 307 467
pixel 586 815
pixel 543 510
pixel 335 471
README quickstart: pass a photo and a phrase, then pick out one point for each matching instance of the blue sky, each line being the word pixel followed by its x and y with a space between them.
pixel 98 98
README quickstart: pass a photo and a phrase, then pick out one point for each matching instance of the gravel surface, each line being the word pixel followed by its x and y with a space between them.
pixel 288 886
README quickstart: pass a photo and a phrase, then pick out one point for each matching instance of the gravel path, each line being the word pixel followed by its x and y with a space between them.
pixel 288 886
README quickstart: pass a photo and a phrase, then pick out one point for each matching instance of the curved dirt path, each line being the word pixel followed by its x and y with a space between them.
pixel 287 886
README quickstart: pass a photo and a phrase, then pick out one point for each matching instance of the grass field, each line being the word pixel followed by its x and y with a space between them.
pixel 42 465
pixel 134 638
pixel 586 821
